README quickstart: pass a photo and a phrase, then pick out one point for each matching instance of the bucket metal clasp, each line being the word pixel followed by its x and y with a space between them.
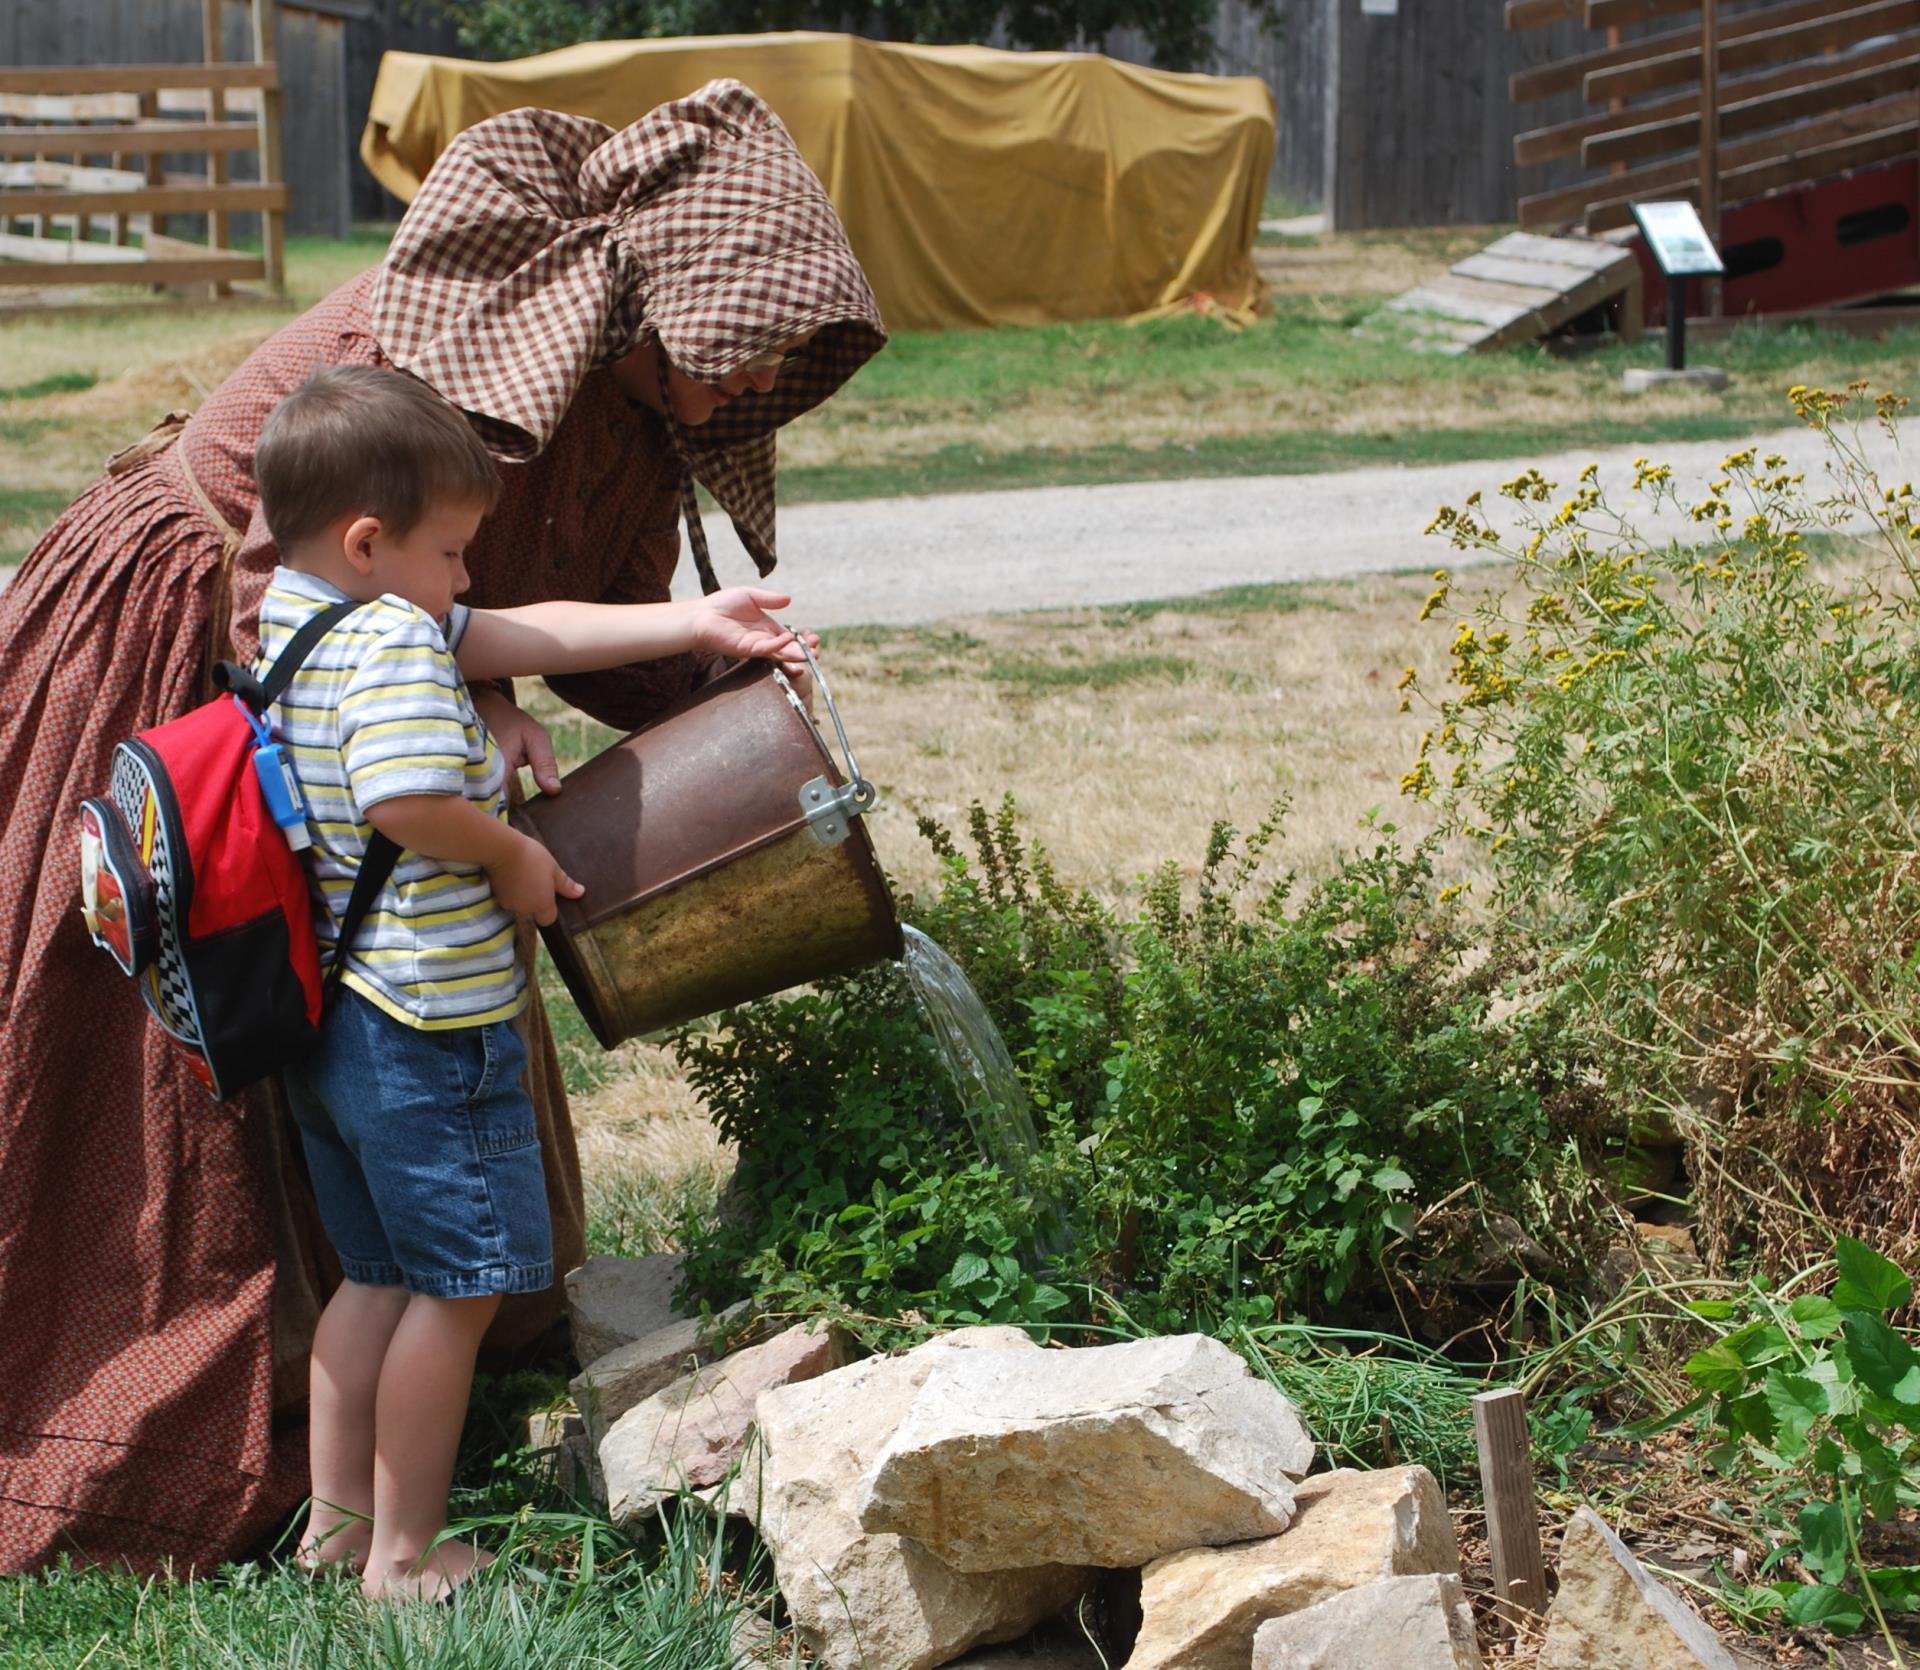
pixel 829 807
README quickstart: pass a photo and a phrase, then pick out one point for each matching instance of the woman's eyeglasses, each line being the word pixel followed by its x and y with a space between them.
pixel 780 362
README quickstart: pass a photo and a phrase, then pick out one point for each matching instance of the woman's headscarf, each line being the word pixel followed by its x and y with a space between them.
pixel 542 245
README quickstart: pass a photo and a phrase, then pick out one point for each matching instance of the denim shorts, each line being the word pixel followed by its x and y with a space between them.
pixel 423 1154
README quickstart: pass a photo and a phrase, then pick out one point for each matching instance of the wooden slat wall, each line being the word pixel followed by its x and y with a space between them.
pixel 1805 89
pixel 318 148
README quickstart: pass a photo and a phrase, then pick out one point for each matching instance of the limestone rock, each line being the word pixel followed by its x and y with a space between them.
pixel 1199 1609
pixel 754 1640
pixel 861 1599
pixel 611 1385
pixel 1610 1615
pixel 613 1301
pixel 690 1435
pixel 1109 1456
pixel 1412 1621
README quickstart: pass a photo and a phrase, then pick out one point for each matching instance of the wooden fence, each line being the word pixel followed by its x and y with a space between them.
pixel 93 149
pixel 1719 105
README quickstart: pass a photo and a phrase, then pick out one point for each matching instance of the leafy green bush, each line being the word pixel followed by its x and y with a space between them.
pixel 1815 1404
pixel 1247 1100
pixel 1692 769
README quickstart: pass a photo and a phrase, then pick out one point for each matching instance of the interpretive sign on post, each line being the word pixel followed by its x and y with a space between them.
pixel 1681 249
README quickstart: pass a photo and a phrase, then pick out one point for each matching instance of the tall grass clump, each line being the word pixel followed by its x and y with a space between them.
pixel 1693 770
pixel 569 1591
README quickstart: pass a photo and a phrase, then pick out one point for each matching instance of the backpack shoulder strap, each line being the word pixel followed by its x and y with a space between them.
pixel 261 693
pixel 375 867
pixel 382 853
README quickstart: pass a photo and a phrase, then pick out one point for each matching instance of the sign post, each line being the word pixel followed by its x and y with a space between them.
pixel 1681 249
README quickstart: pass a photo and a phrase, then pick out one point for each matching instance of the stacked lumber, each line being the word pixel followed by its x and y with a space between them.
pixel 1717 105
pixel 85 190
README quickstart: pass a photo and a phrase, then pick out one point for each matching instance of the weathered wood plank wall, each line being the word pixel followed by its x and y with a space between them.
pixel 391 26
pixel 1392 112
pixel 1420 127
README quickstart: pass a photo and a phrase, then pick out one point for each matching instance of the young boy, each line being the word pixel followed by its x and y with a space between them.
pixel 417 1133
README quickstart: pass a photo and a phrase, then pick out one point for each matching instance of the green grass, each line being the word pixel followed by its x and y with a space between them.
pixel 1032 677
pixel 61 382
pixel 570 1591
pixel 962 469
pixel 1274 597
pixel 634 1610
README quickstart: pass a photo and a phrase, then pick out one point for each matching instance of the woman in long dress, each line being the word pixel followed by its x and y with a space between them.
pixel 620 315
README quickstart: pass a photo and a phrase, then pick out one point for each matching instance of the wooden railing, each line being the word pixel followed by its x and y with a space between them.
pixel 84 151
pixel 1719 108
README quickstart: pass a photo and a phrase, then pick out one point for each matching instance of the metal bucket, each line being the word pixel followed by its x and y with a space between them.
pixel 724 858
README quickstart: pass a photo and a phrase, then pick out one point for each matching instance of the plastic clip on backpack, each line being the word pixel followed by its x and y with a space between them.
pixel 191 878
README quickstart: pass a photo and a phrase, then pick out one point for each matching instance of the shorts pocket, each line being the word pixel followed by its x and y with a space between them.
pixel 505 1141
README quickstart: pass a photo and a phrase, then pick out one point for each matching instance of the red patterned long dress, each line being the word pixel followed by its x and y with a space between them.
pixel 143 1228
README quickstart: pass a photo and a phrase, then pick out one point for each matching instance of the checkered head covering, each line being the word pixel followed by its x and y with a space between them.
pixel 542 245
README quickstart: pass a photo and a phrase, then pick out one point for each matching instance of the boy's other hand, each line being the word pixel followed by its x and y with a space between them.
pixel 527 880
pixel 735 622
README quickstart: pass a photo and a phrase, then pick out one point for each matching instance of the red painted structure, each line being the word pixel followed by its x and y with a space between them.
pixel 1814 246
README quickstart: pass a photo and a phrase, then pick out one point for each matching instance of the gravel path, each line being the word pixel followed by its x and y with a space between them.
pixel 899 561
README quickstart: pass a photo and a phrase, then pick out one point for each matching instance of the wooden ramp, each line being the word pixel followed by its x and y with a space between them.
pixel 1518 290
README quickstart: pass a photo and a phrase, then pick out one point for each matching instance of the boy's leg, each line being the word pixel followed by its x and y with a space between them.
pixel 349 1346
pixel 422 1403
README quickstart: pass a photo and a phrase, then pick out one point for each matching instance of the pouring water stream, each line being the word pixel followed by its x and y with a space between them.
pixel 976 1056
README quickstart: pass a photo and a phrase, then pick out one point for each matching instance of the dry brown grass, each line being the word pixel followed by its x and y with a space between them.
pixel 1366 263
pixel 648 1121
pixel 1123 734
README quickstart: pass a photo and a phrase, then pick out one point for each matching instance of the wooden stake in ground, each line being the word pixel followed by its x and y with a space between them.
pixel 1513 1518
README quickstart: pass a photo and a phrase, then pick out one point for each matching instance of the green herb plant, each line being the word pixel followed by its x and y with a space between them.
pixel 1249 1095
pixel 1813 1401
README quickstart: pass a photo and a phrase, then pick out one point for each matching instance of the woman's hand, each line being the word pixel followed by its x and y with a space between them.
pixel 735 622
pixel 523 740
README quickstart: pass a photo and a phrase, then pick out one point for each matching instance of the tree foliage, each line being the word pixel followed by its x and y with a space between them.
pixel 1179 32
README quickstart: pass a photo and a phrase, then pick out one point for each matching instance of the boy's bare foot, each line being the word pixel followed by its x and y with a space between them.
pixel 331 1538
pixel 433 1577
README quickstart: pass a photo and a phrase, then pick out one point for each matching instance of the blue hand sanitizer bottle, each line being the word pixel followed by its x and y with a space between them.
pixel 285 799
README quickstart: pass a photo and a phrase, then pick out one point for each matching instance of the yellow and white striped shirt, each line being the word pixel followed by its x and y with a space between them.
pixel 379 709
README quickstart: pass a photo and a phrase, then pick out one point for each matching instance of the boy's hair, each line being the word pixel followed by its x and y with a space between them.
pixel 359 440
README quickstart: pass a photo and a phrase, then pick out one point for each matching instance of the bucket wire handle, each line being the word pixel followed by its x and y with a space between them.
pixel 860 793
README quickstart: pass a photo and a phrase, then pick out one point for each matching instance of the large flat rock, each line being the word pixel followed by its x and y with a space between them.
pixel 1109 1456
pixel 691 1435
pixel 630 1374
pixel 613 1301
pixel 861 1599
pixel 1610 1614
pixel 1423 1623
pixel 1199 1609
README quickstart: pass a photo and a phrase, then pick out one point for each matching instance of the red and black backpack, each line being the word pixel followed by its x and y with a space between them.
pixel 191 878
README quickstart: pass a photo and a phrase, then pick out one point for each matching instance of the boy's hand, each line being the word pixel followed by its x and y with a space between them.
pixel 527 880
pixel 735 622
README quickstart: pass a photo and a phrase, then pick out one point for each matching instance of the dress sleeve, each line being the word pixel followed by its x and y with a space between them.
pixel 627 697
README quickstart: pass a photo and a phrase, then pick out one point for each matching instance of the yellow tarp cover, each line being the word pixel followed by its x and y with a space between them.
pixel 978 187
